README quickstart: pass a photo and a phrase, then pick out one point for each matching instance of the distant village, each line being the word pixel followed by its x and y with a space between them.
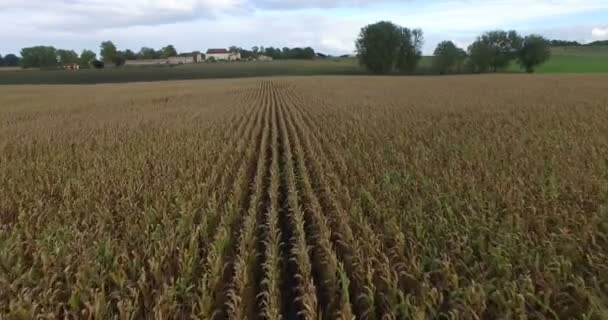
pixel 196 57
pixel 51 58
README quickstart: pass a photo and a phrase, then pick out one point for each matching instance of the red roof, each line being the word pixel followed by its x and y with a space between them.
pixel 216 51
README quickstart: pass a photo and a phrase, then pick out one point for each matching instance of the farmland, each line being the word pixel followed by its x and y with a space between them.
pixel 563 60
pixel 333 66
pixel 461 197
pixel 592 59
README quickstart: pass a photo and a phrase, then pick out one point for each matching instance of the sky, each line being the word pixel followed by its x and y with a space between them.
pixel 329 26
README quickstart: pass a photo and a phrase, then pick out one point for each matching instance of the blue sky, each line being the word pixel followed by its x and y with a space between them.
pixel 330 26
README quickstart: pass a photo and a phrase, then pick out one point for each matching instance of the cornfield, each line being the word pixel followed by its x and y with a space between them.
pixel 465 197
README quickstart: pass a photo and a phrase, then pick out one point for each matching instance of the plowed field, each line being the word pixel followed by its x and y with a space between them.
pixel 466 197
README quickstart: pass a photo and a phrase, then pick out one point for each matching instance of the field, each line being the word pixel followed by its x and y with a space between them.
pixel 564 60
pixel 335 66
pixel 575 60
pixel 462 197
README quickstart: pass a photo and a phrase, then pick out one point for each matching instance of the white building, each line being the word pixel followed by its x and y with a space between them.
pixel 195 57
pixel 263 58
pixel 146 62
pixel 181 60
pixel 222 54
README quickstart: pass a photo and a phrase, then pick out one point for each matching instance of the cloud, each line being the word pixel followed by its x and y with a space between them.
pixel 331 26
pixel 599 33
pixel 304 4
pixel 83 15
pixel 475 15
pixel 453 15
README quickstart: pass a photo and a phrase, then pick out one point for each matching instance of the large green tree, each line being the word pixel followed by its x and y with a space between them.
pixel 410 50
pixel 67 56
pixel 505 45
pixel 119 59
pixel 501 47
pixel 378 46
pixel 168 51
pixel 108 51
pixel 384 46
pixel 86 57
pixel 276 53
pixel 534 52
pixel 129 55
pixel 11 60
pixel 39 57
pixel 148 53
pixel 480 56
pixel 447 57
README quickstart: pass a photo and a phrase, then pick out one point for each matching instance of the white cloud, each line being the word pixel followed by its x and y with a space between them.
pixel 475 15
pixel 86 15
pixel 599 33
pixel 328 25
pixel 300 4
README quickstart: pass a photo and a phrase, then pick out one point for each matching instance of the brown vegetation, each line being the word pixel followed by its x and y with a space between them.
pixel 310 198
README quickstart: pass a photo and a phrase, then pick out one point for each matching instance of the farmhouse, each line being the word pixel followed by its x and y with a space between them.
pixel 263 58
pixel 71 66
pixel 194 57
pixel 146 62
pixel 223 54
pixel 181 60
pixel 184 58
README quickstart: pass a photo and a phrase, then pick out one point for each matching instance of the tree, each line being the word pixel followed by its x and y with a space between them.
pixel 255 50
pixel 39 57
pixel 273 53
pixel 108 51
pixel 480 56
pixel 462 58
pixel 564 43
pixel 246 54
pixel 448 57
pixel 384 46
pixel 119 59
pixel 168 51
pixel 309 53
pixel 494 50
pixel 67 56
pixel 86 57
pixel 534 52
pixel 378 46
pixel 277 54
pixel 504 46
pixel 11 60
pixel 597 43
pixel 410 51
pixel 1 61
pixel 147 53
pixel 97 64
pixel 129 55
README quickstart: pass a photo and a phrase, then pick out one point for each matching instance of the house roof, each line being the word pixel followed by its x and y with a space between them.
pixel 216 51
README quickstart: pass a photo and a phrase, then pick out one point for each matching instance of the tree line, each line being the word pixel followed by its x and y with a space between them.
pixel 10 60
pixel 564 43
pixel 48 57
pixel 110 53
pixel 385 47
pixel 297 53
